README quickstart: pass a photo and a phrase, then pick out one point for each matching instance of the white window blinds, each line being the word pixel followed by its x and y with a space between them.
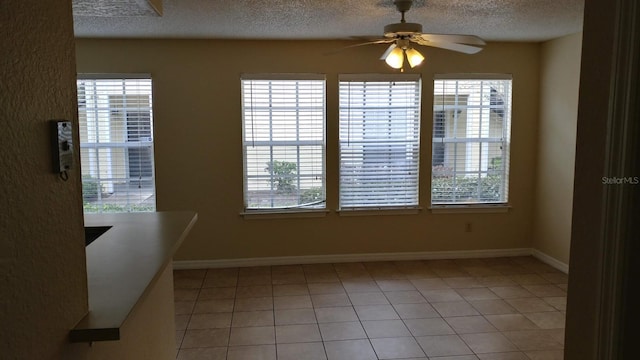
pixel 284 141
pixel 471 136
pixel 379 141
pixel 116 144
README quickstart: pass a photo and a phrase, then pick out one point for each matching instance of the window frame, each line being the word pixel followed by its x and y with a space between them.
pixel 479 206
pixel 287 211
pixel 381 209
pixel 126 143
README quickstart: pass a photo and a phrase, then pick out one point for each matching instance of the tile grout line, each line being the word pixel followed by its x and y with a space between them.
pixel 233 311
pixel 324 347
pixel 273 311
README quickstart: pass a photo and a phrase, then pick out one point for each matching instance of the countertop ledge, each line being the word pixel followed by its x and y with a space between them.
pixel 123 265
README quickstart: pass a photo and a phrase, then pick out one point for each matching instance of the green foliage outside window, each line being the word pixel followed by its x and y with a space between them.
pixel 90 188
pixel 447 188
pixel 312 195
pixel 466 189
pixel 115 208
pixel 282 175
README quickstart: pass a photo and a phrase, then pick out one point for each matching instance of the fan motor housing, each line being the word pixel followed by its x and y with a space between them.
pixel 402 29
pixel 403 5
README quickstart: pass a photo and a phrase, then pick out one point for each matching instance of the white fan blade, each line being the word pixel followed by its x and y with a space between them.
pixel 460 39
pixel 388 51
pixel 367 38
pixel 381 41
pixel 467 49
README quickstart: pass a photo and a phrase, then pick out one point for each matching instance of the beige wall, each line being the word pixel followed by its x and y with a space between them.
pixel 43 287
pixel 148 334
pixel 199 155
pixel 559 82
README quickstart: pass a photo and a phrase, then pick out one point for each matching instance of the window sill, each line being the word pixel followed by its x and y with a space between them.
pixel 462 209
pixel 283 214
pixel 379 211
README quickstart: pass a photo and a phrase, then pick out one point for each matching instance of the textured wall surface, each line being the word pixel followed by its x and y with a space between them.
pixel 559 82
pixel 198 145
pixel 42 264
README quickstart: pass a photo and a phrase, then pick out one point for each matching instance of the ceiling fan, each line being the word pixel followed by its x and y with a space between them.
pixel 401 35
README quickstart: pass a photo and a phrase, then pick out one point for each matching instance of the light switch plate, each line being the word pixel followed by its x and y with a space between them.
pixel 62 145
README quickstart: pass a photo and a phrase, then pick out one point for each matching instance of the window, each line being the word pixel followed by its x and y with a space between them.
pixel 471 131
pixel 283 142
pixel 379 141
pixel 116 144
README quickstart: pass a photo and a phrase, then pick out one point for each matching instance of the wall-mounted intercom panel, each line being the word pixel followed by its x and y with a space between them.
pixel 62 145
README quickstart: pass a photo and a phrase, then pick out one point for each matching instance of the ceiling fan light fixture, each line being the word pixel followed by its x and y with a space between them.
pixel 395 58
pixel 414 57
pixel 402 36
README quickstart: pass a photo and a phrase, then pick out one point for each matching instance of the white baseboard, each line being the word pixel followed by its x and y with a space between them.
pixel 338 258
pixel 553 262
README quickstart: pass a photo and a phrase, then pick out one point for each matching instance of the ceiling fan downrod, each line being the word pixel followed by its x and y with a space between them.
pixel 403 6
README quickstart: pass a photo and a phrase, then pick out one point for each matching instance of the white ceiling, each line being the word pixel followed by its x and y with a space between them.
pixel 493 20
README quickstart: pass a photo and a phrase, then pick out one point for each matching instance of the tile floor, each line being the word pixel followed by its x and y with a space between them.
pixel 467 309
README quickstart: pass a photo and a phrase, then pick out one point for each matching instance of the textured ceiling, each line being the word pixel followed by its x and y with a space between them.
pixel 494 20
pixel 114 8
